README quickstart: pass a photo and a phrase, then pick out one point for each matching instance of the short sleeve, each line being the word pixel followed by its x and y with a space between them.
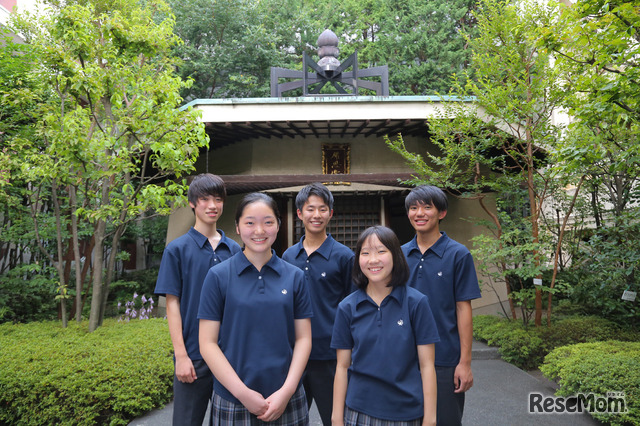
pixel 212 298
pixel 349 287
pixel 169 279
pixel 423 323
pixel 302 302
pixel 341 337
pixel 466 283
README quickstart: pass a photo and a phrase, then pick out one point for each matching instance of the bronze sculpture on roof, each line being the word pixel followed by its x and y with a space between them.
pixel 329 70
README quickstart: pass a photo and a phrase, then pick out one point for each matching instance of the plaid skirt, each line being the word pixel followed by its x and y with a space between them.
pixel 224 412
pixel 355 418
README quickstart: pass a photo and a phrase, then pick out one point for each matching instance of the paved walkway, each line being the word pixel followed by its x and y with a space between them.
pixel 500 396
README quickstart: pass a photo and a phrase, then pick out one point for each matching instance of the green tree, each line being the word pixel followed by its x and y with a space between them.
pixel 505 140
pixel 112 136
pixel 26 279
pixel 597 44
pixel 229 46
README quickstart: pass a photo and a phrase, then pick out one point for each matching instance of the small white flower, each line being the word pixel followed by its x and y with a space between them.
pixel 400 322
pixel 284 291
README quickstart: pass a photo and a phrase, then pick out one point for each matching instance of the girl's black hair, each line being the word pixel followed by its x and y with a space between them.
pixel 400 271
pixel 256 197
pixel 427 194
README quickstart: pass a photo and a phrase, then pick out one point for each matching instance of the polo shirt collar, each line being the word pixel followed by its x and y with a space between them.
pixel 242 263
pixel 397 294
pixel 324 250
pixel 201 240
pixel 438 248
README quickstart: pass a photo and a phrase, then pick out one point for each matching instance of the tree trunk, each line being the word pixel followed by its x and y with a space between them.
pixel 96 297
pixel 111 265
pixel 559 248
pixel 534 205
pixel 76 251
pixel 60 262
pixel 496 221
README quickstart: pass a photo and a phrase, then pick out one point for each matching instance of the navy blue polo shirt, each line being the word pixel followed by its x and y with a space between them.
pixel 445 273
pixel 327 272
pixel 185 262
pixel 256 310
pixel 384 377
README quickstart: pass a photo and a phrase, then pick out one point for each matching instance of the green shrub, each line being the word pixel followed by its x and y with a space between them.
pixel 522 348
pixel 482 322
pixel 606 265
pixel 583 329
pixel 27 293
pixel 141 282
pixel 50 375
pixel 599 368
pixel 526 347
pixel 517 344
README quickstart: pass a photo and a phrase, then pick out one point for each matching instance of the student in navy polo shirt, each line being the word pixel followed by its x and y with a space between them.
pixel 184 264
pixel 327 266
pixel 384 334
pixel 255 331
pixel 443 269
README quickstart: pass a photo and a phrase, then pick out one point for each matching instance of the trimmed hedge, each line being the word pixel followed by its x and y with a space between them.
pixel 599 368
pixel 516 344
pixel 50 375
pixel 526 347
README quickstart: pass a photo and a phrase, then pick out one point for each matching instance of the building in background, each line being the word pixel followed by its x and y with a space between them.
pixel 277 145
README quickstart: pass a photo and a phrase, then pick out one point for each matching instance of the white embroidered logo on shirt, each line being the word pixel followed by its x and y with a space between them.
pixel 440 273
pixel 400 323
pixel 284 291
pixel 324 274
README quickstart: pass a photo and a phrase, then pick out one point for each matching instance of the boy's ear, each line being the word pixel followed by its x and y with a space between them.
pixel 442 214
pixel 299 214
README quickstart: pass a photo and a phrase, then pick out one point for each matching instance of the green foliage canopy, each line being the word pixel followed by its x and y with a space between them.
pixel 111 141
pixel 229 46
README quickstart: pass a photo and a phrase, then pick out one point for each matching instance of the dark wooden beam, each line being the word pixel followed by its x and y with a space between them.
pixel 280 129
pixel 378 127
pixel 296 128
pixel 262 132
pixel 313 129
pixel 344 129
pixel 359 129
pixel 293 180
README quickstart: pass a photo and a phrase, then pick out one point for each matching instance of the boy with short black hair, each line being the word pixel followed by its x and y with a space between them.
pixel 327 266
pixel 185 263
pixel 443 269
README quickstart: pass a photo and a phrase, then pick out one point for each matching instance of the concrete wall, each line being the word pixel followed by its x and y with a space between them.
pixel 304 156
